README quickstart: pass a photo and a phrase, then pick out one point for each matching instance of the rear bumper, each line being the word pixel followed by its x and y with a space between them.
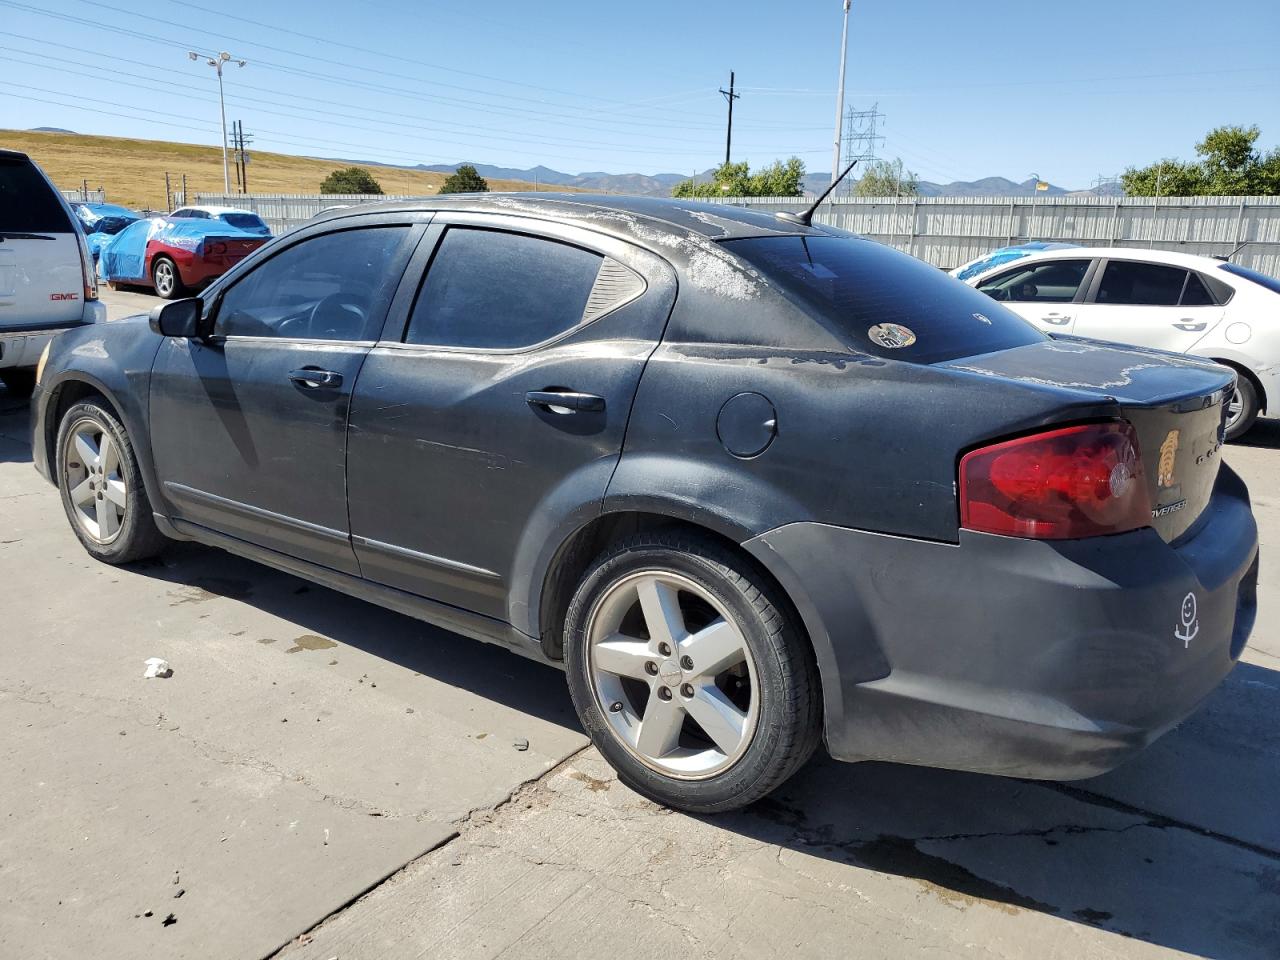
pixel 21 346
pixel 1050 660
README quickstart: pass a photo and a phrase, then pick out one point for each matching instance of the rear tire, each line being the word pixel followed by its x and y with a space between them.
pixel 734 718
pixel 18 382
pixel 101 486
pixel 1245 400
pixel 166 279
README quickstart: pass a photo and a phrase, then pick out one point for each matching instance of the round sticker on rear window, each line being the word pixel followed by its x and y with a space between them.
pixel 891 336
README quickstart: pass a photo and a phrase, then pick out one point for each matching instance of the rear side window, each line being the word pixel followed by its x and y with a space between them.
pixel 1271 283
pixel 336 286
pixel 1141 284
pixel 853 285
pixel 27 203
pixel 1195 293
pixel 1054 282
pixel 491 290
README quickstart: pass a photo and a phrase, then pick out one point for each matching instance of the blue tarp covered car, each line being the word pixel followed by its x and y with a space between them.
pixel 175 254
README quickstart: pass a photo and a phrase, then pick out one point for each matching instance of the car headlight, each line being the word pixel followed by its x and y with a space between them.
pixel 44 358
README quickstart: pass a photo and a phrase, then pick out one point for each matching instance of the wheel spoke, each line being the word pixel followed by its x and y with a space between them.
pixel 714 648
pixel 623 656
pixel 82 494
pixel 85 448
pixel 115 492
pixel 108 521
pixel 107 458
pixel 718 717
pixel 660 603
pixel 660 726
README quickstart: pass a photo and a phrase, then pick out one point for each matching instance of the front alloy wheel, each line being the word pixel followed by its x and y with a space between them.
pixel 689 673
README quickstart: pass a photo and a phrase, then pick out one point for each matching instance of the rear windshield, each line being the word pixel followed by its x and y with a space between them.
pixel 27 203
pixel 868 293
pixel 1271 283
pixel 245 221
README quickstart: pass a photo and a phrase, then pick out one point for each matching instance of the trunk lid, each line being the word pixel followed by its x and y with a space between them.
pixel 1177 405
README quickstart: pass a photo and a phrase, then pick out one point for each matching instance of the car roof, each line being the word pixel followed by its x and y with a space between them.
pixel 216 211
pixel 643 218
pixel 1188 261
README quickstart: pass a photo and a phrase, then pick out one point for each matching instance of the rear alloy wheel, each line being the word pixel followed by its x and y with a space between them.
pixel 101 487
pixel 688 675
pixel 167 280
pixel 1242 408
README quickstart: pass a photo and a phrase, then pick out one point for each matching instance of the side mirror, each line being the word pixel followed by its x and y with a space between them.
pixel 178 318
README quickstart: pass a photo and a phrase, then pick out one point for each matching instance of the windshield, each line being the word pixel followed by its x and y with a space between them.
pixel 246 221
pixel 1271 283
pixel 884 302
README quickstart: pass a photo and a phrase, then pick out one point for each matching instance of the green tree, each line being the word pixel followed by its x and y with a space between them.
pixel 779 179
pixel 350 180
pixel 1229 165
pixel 465 180
pixel 887 178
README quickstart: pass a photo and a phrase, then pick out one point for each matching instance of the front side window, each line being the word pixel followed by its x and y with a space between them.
pixel 491 290
pixel 1141 284
pixel 1055 281
pixel 333 287
pixel 852 285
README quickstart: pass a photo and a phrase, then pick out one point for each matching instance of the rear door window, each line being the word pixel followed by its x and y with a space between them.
pixel 853 285
pixel 1055 281
pixel 1195 293
pixel 1126 282
pixel 493 290
pixel 27 203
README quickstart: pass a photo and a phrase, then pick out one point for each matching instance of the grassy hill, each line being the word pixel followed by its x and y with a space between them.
pixel 132 171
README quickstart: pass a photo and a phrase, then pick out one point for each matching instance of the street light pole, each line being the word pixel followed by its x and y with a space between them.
pixel 844 56
pixel 216 61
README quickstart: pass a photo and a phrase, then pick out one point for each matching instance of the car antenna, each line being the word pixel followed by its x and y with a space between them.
pixel 1227 258
pixel 805 217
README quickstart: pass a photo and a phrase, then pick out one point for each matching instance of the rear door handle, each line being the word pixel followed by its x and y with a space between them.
pixel 564 401
pixel 1191 326
pixel 1057 319
pixel 313 378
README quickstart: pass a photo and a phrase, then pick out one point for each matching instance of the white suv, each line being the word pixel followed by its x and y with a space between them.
pixel 1156 298
pixel 46 275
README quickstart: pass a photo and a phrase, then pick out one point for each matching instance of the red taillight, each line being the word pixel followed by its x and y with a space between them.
pixel 217 248
pixel 87 273
pixel 1073 482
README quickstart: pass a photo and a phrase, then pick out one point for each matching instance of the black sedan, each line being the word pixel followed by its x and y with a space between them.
pixel 752 484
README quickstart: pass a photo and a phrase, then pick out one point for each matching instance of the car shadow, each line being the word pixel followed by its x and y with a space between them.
pixel 1180 848
pixel 14 427
pixel 1265 434
pixel 483 669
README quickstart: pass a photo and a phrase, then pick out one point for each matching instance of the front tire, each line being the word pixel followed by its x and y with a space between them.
pixel 688 673
pixel 101 486
pixel 166 279
pixel 1242 408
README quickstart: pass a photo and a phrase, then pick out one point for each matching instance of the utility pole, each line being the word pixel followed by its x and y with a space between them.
pixel 730 96
pixel 844 56
pixel 216 61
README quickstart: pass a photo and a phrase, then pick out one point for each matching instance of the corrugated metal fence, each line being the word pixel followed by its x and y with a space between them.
pixel 947 231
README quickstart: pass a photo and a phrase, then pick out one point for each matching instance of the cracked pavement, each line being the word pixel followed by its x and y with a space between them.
pixel 321 778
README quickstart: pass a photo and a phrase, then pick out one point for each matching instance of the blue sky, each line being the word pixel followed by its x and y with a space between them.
pixel 1068 91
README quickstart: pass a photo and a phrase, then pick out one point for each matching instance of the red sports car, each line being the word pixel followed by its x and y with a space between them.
pixel 175 255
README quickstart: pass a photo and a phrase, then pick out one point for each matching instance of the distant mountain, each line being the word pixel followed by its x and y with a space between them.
pixel 986 187
pixel 52 130
pixel 654 185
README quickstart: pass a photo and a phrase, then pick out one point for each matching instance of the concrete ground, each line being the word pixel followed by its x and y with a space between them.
pixel 322 778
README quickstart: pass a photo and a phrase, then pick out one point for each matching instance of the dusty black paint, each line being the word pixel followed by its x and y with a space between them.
pixel 426 482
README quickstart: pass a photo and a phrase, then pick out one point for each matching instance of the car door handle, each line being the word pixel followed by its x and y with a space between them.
pixel 313 378
pixel 1191 326
pixel 1057 319
pixel 564 401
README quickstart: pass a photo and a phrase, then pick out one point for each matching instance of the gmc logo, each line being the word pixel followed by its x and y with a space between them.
pixel 64 296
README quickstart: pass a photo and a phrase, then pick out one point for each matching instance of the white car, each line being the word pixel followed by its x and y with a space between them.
pixel 47 282
pixel 1172 301
pixel 243 219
